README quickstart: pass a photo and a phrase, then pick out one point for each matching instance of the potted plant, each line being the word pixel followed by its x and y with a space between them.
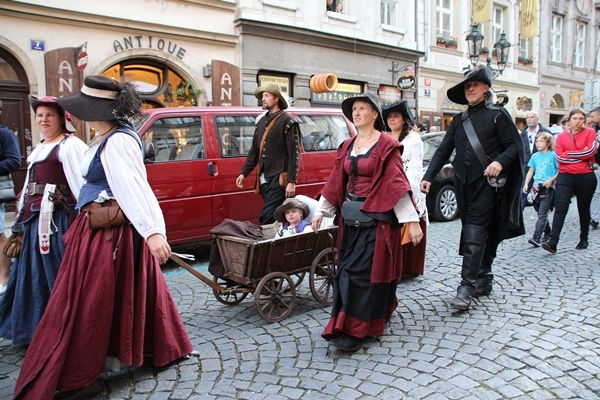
pixel 525 60
pixel 440 40
pixel 185 92
pixel 452 43
pixel 484 51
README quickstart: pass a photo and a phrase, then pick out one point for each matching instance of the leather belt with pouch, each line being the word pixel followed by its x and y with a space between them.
pixel 38 188
pixel 104 215
pixel 352 214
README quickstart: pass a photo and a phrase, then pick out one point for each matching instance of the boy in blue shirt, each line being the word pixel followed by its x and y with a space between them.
pixel 543 168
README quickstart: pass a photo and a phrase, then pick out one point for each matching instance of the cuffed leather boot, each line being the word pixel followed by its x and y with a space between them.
pixel 485 280
pixel 473 248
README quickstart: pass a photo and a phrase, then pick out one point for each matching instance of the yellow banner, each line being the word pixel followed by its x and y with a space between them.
pixel 529 19
pixel 482 11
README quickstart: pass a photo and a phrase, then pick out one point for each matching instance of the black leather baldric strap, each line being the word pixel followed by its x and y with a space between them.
pixel 474 140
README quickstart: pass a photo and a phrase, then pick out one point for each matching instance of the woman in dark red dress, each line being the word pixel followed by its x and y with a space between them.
pixel 110 298
pixel 368 168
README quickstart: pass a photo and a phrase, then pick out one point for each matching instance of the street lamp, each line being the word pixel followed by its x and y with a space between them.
pixel 501 48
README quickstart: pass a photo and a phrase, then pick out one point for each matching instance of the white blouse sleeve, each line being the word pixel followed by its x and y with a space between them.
pixel 326 208
pixel 405 210
pixel 126 175
pixel 70 154
pixel 412 156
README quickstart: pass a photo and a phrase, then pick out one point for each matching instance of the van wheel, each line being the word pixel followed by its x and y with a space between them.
pixel 446 206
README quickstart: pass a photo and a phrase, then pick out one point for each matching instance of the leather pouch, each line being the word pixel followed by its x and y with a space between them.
pixel 354 217
pixel 283 181
pixel 12 249
pixel 106 217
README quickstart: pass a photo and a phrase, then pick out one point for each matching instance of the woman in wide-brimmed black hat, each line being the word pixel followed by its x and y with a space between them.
pixel 110 298
pixel 52 170
pixel 399 120
pixel 368 175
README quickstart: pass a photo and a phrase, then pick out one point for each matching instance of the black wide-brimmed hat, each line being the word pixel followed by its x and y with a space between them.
pixel 275 90
pixel 288 204
pixel 51 101
pixel 102 99
pixel 369 98
pixel 399 107
pixel 479 73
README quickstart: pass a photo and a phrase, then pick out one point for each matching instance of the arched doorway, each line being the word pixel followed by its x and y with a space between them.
pixel 159 85
pixel 14 89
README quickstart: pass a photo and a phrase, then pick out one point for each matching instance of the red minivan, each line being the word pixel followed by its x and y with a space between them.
pixel 199 152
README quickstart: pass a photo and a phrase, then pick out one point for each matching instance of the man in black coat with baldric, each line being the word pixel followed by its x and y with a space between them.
pixel 488 214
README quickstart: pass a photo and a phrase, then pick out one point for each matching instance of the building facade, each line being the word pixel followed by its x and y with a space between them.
pixel 569 56
pixel 447 58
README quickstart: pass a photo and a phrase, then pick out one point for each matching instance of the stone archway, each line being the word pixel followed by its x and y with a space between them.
pixel 16 114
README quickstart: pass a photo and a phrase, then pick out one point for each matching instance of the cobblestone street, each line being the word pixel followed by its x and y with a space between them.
pixel 537 336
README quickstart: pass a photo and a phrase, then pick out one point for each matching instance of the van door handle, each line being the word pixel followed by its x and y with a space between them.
pixel 212 169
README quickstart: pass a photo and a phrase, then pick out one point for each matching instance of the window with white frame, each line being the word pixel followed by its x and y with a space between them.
pixel 597 66
pixel 579 55
pixel 388 12
pixel 497 23
pixel 524 48
pixel 443 16
pixel 556 34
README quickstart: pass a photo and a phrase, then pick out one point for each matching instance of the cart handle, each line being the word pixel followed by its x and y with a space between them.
pixel 197 274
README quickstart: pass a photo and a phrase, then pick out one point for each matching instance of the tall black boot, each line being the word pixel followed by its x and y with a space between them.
pixel 473 248
pixel 485 279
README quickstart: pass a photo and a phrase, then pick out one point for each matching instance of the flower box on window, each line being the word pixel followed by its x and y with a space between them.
pixel 452 42
pixel 525 60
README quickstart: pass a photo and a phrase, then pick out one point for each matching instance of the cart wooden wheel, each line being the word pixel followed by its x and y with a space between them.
pixel 297 278
pixel 322 273
pixel 275 296
pixel 230 298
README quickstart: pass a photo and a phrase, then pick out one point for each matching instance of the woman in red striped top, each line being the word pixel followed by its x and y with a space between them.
pixel 575 150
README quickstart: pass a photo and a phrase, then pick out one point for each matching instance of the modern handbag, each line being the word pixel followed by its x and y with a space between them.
pixel 353 216
pixel 7 189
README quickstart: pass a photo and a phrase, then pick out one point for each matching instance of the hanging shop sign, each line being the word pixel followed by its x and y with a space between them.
pixel 406 81
pixel 343 90
pixel 225 84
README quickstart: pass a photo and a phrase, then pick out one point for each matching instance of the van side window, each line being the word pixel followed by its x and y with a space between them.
pixel 235 134
pixel 177 138
pixel 322 132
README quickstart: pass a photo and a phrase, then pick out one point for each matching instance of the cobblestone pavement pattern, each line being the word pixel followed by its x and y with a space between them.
pixel 537 336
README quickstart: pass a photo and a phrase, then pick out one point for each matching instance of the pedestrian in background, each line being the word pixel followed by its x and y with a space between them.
pixel 110 298
pixel 575 151
pixel 419 128
pixel 488 178
pixel 369 188
pixel 10 160
pixel 399 121
pixel 543 170
pixel 276 150
pixel 528 136
pixel 595 206
pixel 45 211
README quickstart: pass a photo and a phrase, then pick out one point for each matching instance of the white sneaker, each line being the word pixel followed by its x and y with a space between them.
pixel 2 289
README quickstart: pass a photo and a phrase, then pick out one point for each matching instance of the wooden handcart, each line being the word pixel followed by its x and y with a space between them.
pixel 272 269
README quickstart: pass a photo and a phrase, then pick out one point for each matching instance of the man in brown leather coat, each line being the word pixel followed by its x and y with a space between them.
pixel 276 150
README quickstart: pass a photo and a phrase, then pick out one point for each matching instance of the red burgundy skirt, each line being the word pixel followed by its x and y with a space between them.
pixel 110 299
